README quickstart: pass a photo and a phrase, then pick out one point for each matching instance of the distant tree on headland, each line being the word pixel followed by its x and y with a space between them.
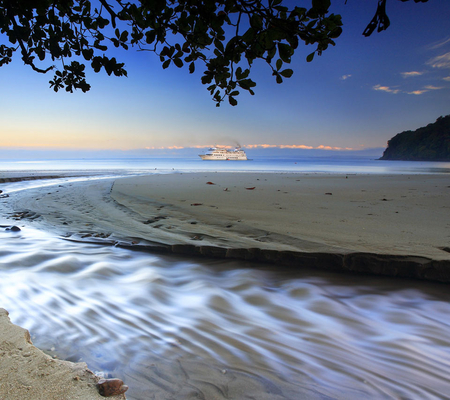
pixel 227 36
pixel 429 143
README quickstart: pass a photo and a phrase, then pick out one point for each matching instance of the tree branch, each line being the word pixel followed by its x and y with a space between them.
pixel 111 12
pixel 25 54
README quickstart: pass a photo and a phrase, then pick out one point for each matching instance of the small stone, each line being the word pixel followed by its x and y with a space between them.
pixel 13 228
pixel 111 387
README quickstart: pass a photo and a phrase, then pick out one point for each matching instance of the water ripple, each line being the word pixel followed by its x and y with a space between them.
pixel 177 328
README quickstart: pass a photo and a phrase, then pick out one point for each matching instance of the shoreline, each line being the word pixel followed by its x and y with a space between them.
pixel 391 225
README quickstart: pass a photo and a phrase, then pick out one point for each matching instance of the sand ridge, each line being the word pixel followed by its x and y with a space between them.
pixel 383 224
pixel 395 214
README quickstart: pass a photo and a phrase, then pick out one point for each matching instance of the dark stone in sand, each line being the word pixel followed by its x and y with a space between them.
pixel 111 387
pixel 151 221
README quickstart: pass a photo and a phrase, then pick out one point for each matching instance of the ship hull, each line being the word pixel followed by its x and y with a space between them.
pixel 221 154
pixel 222 158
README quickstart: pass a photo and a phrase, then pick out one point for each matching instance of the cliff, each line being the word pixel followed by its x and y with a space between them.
pixel 429 143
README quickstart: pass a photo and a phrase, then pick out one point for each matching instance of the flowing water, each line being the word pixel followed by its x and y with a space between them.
pixel 179 328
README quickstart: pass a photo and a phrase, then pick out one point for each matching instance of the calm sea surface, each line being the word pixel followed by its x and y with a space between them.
pixel 186 328
pixel 344 165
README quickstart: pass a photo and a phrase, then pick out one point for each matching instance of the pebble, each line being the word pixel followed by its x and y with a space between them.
pixel 111 387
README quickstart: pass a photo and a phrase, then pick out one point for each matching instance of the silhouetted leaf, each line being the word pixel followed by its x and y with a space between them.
pixel 279 64
pixel 287 73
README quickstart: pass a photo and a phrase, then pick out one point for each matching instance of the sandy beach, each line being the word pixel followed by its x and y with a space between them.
pixel 402 215
pixel 383 224
pixel 393 225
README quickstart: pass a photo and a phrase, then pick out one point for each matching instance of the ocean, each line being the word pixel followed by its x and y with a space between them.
pixel 336 164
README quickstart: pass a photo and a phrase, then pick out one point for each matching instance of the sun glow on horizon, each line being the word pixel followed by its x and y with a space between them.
pixel 156 148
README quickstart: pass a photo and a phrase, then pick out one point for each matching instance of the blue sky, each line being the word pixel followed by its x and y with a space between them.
pixel 357 95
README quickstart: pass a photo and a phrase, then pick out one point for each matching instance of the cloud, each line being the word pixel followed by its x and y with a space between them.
pixel 426 89
pixel 279 146
pixel 411 74
pixel 344 77
pixel 294 146
pixel 440 44
pixel 442 61
pixel 255 146
pixel 418 92
pixel 447 78
pixel 322 147
pixel 386 89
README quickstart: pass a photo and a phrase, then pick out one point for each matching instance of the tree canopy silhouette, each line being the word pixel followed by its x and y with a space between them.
pixel 226 36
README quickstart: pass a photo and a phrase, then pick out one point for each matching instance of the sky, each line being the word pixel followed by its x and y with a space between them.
pixel 356 96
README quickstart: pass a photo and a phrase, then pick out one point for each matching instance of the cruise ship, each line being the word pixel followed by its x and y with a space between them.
pixel 222 154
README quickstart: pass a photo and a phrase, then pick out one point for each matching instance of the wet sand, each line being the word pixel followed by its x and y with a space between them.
pixel 393 225
pixel 402 215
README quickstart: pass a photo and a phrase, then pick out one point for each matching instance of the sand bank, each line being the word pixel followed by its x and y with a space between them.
pixel 27 373
pixel 395 214
pixel 394 225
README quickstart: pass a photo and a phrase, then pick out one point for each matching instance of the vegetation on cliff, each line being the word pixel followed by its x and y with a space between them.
pixel 429 143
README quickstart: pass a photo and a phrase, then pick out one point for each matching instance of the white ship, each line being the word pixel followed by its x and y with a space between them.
pixel 221 154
